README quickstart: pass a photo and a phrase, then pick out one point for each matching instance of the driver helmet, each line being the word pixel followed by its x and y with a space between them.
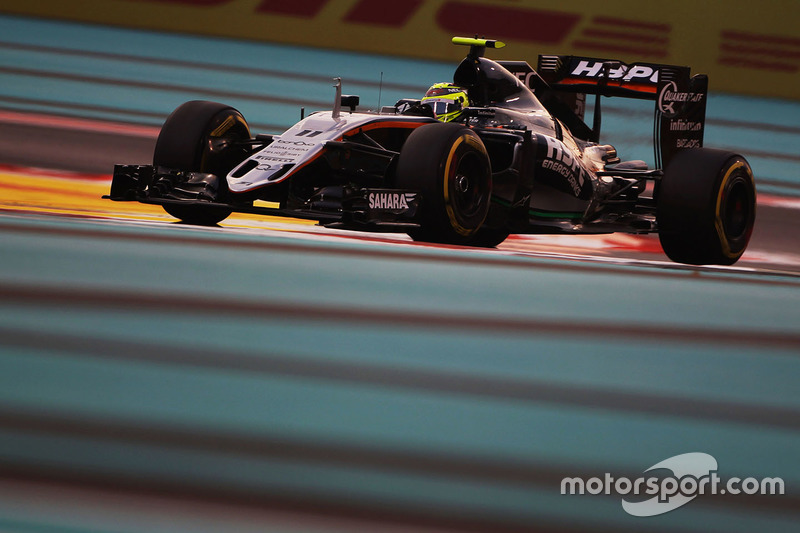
pixel 446 100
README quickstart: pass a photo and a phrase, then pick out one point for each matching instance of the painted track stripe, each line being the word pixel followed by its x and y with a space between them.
pixel 21 294
pixel 94 117
pixel 215 67
pixel 170 87
pixel 422 252
pixel 73 123
pixel 358 515
pixel 427 380
pixel 484 469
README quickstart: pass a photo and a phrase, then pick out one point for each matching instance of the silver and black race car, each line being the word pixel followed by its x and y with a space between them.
pixel 516 157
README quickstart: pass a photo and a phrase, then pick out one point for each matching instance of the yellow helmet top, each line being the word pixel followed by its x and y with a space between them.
pixel 446 100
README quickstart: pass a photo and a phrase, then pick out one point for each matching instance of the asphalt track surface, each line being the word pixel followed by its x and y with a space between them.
pixel 272 374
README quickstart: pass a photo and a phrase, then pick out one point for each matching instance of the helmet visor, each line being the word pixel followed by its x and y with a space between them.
pixel 443 106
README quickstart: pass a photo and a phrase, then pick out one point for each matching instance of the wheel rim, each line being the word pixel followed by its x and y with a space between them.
pixel 736 213
pixel 220 153
pixel 469 185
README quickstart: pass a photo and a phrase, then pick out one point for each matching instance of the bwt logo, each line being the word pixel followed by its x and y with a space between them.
pixel 693 474
pixel 616 71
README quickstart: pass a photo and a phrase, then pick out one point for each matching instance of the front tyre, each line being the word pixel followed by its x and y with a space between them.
pixel 706 207
pixel 449 165
pixel 489 237
pixel 202 136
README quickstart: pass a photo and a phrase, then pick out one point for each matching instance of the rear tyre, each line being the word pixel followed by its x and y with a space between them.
pixel 448 164
pixel 201 136
pixel 706 207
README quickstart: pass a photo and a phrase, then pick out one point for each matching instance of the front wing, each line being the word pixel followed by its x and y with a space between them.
pixel 350 207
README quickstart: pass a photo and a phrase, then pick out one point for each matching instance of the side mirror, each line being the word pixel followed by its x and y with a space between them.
pixel 351 101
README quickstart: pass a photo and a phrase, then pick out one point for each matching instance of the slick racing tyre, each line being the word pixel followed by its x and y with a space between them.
pixel 448 164
pixel 197 137
pixel 706 207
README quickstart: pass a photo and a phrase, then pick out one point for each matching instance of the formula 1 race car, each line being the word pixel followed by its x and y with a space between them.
pixel 512 155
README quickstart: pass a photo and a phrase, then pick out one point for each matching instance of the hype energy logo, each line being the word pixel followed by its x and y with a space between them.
pixel 693 474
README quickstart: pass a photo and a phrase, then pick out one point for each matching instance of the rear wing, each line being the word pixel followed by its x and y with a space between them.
pixel 562 83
